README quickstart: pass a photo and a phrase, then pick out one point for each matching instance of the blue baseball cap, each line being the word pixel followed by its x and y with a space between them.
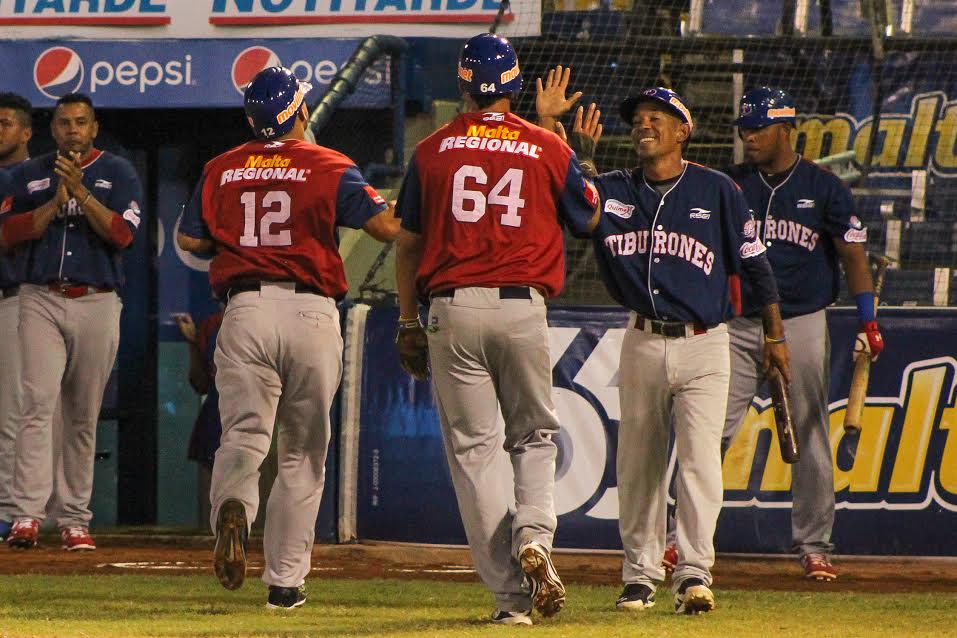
pixel 658 94
pixel 272 100
pixel 488 65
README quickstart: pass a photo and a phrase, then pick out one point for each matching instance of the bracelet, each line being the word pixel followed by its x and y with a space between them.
pixel 409 323
pixel 768 339
pixel 89 194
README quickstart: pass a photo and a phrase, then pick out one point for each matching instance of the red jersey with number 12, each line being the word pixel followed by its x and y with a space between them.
pixel 486 193
pixel 272 209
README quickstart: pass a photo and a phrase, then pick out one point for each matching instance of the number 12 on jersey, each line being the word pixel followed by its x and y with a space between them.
pixel 278 206
pixel 469 205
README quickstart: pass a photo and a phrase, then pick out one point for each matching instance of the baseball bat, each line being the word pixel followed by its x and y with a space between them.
pixel 787 437
pixel 862 367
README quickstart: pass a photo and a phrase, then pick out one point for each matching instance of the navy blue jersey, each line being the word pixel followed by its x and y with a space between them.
pixel 670 257
pixel 797 221
pixel 12 263
pixel 69 249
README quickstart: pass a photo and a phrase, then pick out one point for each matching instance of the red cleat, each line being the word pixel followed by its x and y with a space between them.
pixel 23 534
pixel 818 567
pixel 77 538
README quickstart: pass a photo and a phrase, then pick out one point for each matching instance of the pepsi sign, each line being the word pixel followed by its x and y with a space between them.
pixel 58 71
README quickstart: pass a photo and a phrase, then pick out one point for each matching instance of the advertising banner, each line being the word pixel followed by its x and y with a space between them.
pixel 244 19
pixel 897 496
pixel 177 74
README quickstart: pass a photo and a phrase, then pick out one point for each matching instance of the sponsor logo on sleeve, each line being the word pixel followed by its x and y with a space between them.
pixel 591 193
pixel 620 209
pixel 751 249
pixel 855 235
pixel 38 185
pixel 132 214
pixel 102 183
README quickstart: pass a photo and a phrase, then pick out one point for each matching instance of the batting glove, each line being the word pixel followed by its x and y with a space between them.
pixel 869 341
pixel 413 349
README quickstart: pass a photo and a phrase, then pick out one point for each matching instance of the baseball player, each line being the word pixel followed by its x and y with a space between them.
pixel 76 210
pixel 269 209
pixel 16 129
pixel 672 236
pixel 481 207
pixel 806 221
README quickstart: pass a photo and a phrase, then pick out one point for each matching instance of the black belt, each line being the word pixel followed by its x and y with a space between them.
pixel 9 291
pixel 505 292
pixel 671 328
pixel 257 285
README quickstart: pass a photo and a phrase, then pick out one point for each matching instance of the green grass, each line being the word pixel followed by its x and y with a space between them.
pixel 198 606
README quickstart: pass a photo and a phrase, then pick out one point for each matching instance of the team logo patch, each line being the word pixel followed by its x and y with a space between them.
pixel 373 195
pixel 746 109
pixel 750 229
pixel 700 213
pixel 591 193
pixel 132 214
pixel 856 235
pixel 805 203
pixel 249 62
pixel 38 185
pixel 620 209
pixel 102 183
pixel 58 71
pixel 751 249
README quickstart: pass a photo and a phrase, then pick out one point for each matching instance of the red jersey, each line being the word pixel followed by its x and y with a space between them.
pixel 272 208
pixel 486 192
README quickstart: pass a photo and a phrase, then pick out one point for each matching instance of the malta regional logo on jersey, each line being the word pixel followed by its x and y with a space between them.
pixel 249 62
pixel 58 71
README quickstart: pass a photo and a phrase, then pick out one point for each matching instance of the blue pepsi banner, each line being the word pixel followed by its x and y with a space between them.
pixel 898 495
pixel 177 73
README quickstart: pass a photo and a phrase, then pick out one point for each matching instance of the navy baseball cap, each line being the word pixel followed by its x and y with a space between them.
pixel 272 100
pixel 658 94
pixel 765 106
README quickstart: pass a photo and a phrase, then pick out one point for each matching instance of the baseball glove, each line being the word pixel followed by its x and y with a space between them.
pixel 413 349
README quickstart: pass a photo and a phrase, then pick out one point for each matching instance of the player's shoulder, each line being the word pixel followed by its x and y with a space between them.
pixel 819 176
pixel 740 172
pixel 111 161
pixel 613 178
pixel 697 175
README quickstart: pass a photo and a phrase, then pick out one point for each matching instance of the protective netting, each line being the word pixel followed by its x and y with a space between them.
pixel 847 63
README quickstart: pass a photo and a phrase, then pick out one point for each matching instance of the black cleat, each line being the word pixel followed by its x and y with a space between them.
pixel 232 537
pixel 286 597
pixel 693 597
pixel 635 597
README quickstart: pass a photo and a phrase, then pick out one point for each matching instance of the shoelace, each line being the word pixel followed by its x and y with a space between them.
pixel 74 532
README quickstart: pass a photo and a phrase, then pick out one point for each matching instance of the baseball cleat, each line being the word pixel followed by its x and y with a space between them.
pixel 670 558
pixel 636 597
pixel 24 533
pixel 512 617
pixel 286 597
pixel 818 567
pixel 232 535
pixel 76 538
pixel 693 597
pixel 548 592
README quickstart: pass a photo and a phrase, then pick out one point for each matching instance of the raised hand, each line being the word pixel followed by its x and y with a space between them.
pixel 550 100
pixel 71 176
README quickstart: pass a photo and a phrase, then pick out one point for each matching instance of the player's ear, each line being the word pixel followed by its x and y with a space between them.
pixel 684 132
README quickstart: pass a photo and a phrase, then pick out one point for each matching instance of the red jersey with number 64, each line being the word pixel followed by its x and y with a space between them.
pixel 272 208
pixel 487 192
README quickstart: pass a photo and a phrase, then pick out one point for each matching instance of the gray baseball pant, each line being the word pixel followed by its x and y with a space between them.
pixel 278 359
pixel 9 400
pixel 812 477
pixel 68 347
pixel 665 380
pixel 491 357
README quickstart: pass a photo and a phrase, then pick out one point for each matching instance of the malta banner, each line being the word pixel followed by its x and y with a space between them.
pixel 245 19
pixel 898 495
pixel 178 74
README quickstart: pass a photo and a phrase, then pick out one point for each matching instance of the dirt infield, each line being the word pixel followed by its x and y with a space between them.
pixel 190 555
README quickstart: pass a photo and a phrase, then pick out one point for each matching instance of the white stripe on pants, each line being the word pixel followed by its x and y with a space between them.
pixel 661 379
pixel 278 359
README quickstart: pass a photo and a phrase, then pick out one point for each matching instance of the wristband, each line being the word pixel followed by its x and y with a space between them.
pixel 89 194
pixel 768 339
pixel 409 323
pixel 865 306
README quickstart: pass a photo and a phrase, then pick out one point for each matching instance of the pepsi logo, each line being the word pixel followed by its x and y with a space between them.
pixel 249 62
pixel 58 71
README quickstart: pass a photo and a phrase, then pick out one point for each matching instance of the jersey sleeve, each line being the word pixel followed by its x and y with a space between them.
pixel 126 194
pixel 839 218
pixel 356 202
pixel 193 224
pixel 578 200
pixel 740 229
pixel 408 205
